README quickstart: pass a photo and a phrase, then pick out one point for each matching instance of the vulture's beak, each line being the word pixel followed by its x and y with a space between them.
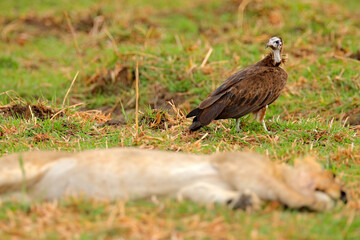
pixel 267 45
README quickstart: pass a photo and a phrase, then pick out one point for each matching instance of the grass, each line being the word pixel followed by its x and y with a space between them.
pixel 170 41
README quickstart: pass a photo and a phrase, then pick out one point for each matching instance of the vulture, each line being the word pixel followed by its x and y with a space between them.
pixel 251 90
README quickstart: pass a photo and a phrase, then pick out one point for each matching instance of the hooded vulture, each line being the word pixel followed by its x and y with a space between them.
pixel 250 90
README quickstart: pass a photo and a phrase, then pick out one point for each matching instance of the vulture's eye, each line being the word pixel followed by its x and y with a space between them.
pixel 277 42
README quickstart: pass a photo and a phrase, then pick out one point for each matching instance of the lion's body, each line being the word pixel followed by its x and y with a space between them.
pixel 129 173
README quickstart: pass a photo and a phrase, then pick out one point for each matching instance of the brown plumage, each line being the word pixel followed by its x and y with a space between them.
pixel 250 90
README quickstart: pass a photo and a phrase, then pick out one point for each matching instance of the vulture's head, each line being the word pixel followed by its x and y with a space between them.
pixel 276 44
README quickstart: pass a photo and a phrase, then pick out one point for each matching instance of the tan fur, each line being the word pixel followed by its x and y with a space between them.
pixel 240 180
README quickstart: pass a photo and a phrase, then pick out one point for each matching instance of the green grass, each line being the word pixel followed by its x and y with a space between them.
pixel 170 39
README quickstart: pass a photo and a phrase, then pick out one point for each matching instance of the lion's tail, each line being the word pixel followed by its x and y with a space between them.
pixel 20 171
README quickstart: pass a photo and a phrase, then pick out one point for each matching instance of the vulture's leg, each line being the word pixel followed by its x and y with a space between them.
pixel 260 115
pixel 237 127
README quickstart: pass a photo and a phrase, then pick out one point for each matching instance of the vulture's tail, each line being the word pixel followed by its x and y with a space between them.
pixel 204 116
pixel 196 125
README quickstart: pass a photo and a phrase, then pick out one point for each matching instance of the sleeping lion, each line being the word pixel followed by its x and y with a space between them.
pixel 238 180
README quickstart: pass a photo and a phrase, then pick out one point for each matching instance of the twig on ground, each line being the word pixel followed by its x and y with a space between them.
pixel 68 91
pixel 64 108
pixel 137 97
pixel 113 42
pixel 206 57
pixel 17 96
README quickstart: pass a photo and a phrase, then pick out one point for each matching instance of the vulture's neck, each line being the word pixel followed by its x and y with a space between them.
pixel 273 59
pixel 277 57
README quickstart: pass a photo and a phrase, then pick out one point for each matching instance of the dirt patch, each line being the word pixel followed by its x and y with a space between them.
pixel 28 111
pixel 302 52
pixel 90 22
pixel 113 122
pixel 44 23
pixel 157 119
pixel 160 96
pixel 164 119
pixel 83 22
pixel 92 116
pixel 356 55
pixel 31 25
pixel 110 80
pixel 41 137
pixel 353 117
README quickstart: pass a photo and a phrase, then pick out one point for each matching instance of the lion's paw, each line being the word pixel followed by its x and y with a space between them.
pixel 323 202
pixel 245 201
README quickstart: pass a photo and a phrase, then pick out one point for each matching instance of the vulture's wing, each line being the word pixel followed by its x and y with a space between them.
pixel 244 92
pixel 220 91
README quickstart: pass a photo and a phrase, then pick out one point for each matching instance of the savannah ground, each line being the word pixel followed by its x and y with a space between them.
pixel 184 49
